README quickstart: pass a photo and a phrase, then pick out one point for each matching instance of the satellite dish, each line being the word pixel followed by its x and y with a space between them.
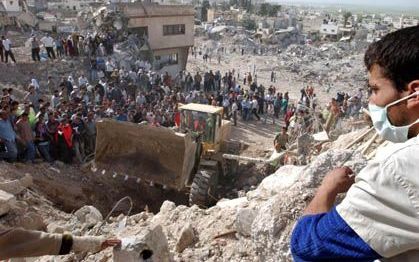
pixel 117 24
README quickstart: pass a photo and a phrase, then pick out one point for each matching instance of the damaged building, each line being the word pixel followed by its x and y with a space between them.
pixel 169 30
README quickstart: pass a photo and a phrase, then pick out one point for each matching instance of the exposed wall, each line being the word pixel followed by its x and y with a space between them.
pixel 156 38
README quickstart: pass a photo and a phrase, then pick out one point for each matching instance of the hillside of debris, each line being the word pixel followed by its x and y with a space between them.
pixel 254 227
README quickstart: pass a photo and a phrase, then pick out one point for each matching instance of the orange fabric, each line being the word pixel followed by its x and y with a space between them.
pixel 67 133
pixel 177 118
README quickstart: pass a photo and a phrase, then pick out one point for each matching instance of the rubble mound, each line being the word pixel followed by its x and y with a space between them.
pixel 255 227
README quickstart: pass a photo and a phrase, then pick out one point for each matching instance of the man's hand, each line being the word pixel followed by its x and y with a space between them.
pixel 338 180
pixel 112 242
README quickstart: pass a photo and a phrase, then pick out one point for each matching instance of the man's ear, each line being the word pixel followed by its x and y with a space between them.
pixel 413 87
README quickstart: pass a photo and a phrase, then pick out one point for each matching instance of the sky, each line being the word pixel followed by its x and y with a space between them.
pixel 381 3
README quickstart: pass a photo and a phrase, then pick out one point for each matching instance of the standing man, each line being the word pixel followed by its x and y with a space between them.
pixel 7 138
pixel 35 49
pixel 51 85
pixel 7 45
pixel 48 43
pixel 379 217
pixel 110 66
pixel 90 133
pixel 25 136
pixel 281 140
pixel 1 51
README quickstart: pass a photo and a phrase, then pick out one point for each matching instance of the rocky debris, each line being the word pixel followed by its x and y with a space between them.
pixel 18 185
pixel 255 227
pixel 244 220
pixel 186 238
pixel 131 51
pixel 150 244
pixel 328 63
pixel 271 228
pixel 89 216
pixel 6 200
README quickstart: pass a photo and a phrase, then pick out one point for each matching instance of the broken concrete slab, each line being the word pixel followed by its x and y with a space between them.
pixel 6 201
pixel 244 220
pixel 18 185
pixel 150 245
pixel 186 238
pixel 89 215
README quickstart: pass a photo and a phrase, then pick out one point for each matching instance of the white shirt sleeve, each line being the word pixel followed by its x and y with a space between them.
pixel 382 207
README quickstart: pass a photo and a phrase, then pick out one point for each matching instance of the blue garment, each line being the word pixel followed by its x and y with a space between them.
pixel 122 117
pixel 327 237
pixel 6 131
pixel 10 154
pixel 29 153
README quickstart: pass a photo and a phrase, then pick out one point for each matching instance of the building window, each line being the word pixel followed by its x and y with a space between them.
pixel 333 30
pixel 174 29
pixel 324 30
pixel 11 2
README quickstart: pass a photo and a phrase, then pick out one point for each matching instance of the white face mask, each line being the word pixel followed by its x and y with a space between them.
pixel 396 134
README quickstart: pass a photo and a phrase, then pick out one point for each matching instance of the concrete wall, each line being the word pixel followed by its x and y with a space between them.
pixel 156 38
pixel 329 29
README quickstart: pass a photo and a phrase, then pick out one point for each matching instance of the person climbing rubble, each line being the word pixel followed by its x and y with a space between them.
pixel 18 242
pixel 379 217
pixel 281 140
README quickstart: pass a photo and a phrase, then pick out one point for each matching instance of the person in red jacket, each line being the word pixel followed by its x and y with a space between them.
pixel 64 140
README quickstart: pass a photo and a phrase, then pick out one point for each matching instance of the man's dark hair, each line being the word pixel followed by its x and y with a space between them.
pixel 397 54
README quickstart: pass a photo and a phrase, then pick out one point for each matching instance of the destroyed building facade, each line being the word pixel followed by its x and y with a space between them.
pixel 169 30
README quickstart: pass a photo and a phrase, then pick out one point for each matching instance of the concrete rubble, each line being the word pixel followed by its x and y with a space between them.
pixel 254 227
pixel 89 215
pixel 149 245
pixel 6 200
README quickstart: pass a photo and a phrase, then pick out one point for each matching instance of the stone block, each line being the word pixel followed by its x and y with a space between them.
pixel 186 238
pixel 89 215
pixel 6 200
pixel 244 220
pixel 150 245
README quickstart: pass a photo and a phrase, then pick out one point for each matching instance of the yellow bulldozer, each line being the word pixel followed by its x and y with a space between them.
pixel 191 158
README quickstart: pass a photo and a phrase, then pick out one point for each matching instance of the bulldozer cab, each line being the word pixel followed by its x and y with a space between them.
pixel 202 120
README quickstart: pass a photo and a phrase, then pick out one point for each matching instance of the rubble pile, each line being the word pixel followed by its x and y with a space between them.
pixel 20 206
pixel 329 68
pixel 131 51
pixel 103 20
pixel 286 37
pixel 328 63
pixel 255 227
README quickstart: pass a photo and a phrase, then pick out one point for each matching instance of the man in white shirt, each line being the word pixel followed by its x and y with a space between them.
pixel 255 107
pixel 83 80
pixel 379 217
pixel 49 43
pixel 7 45
pixel 109 68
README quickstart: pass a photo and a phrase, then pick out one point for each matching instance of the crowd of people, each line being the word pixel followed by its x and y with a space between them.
pixel 57 120
pixel 71 45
